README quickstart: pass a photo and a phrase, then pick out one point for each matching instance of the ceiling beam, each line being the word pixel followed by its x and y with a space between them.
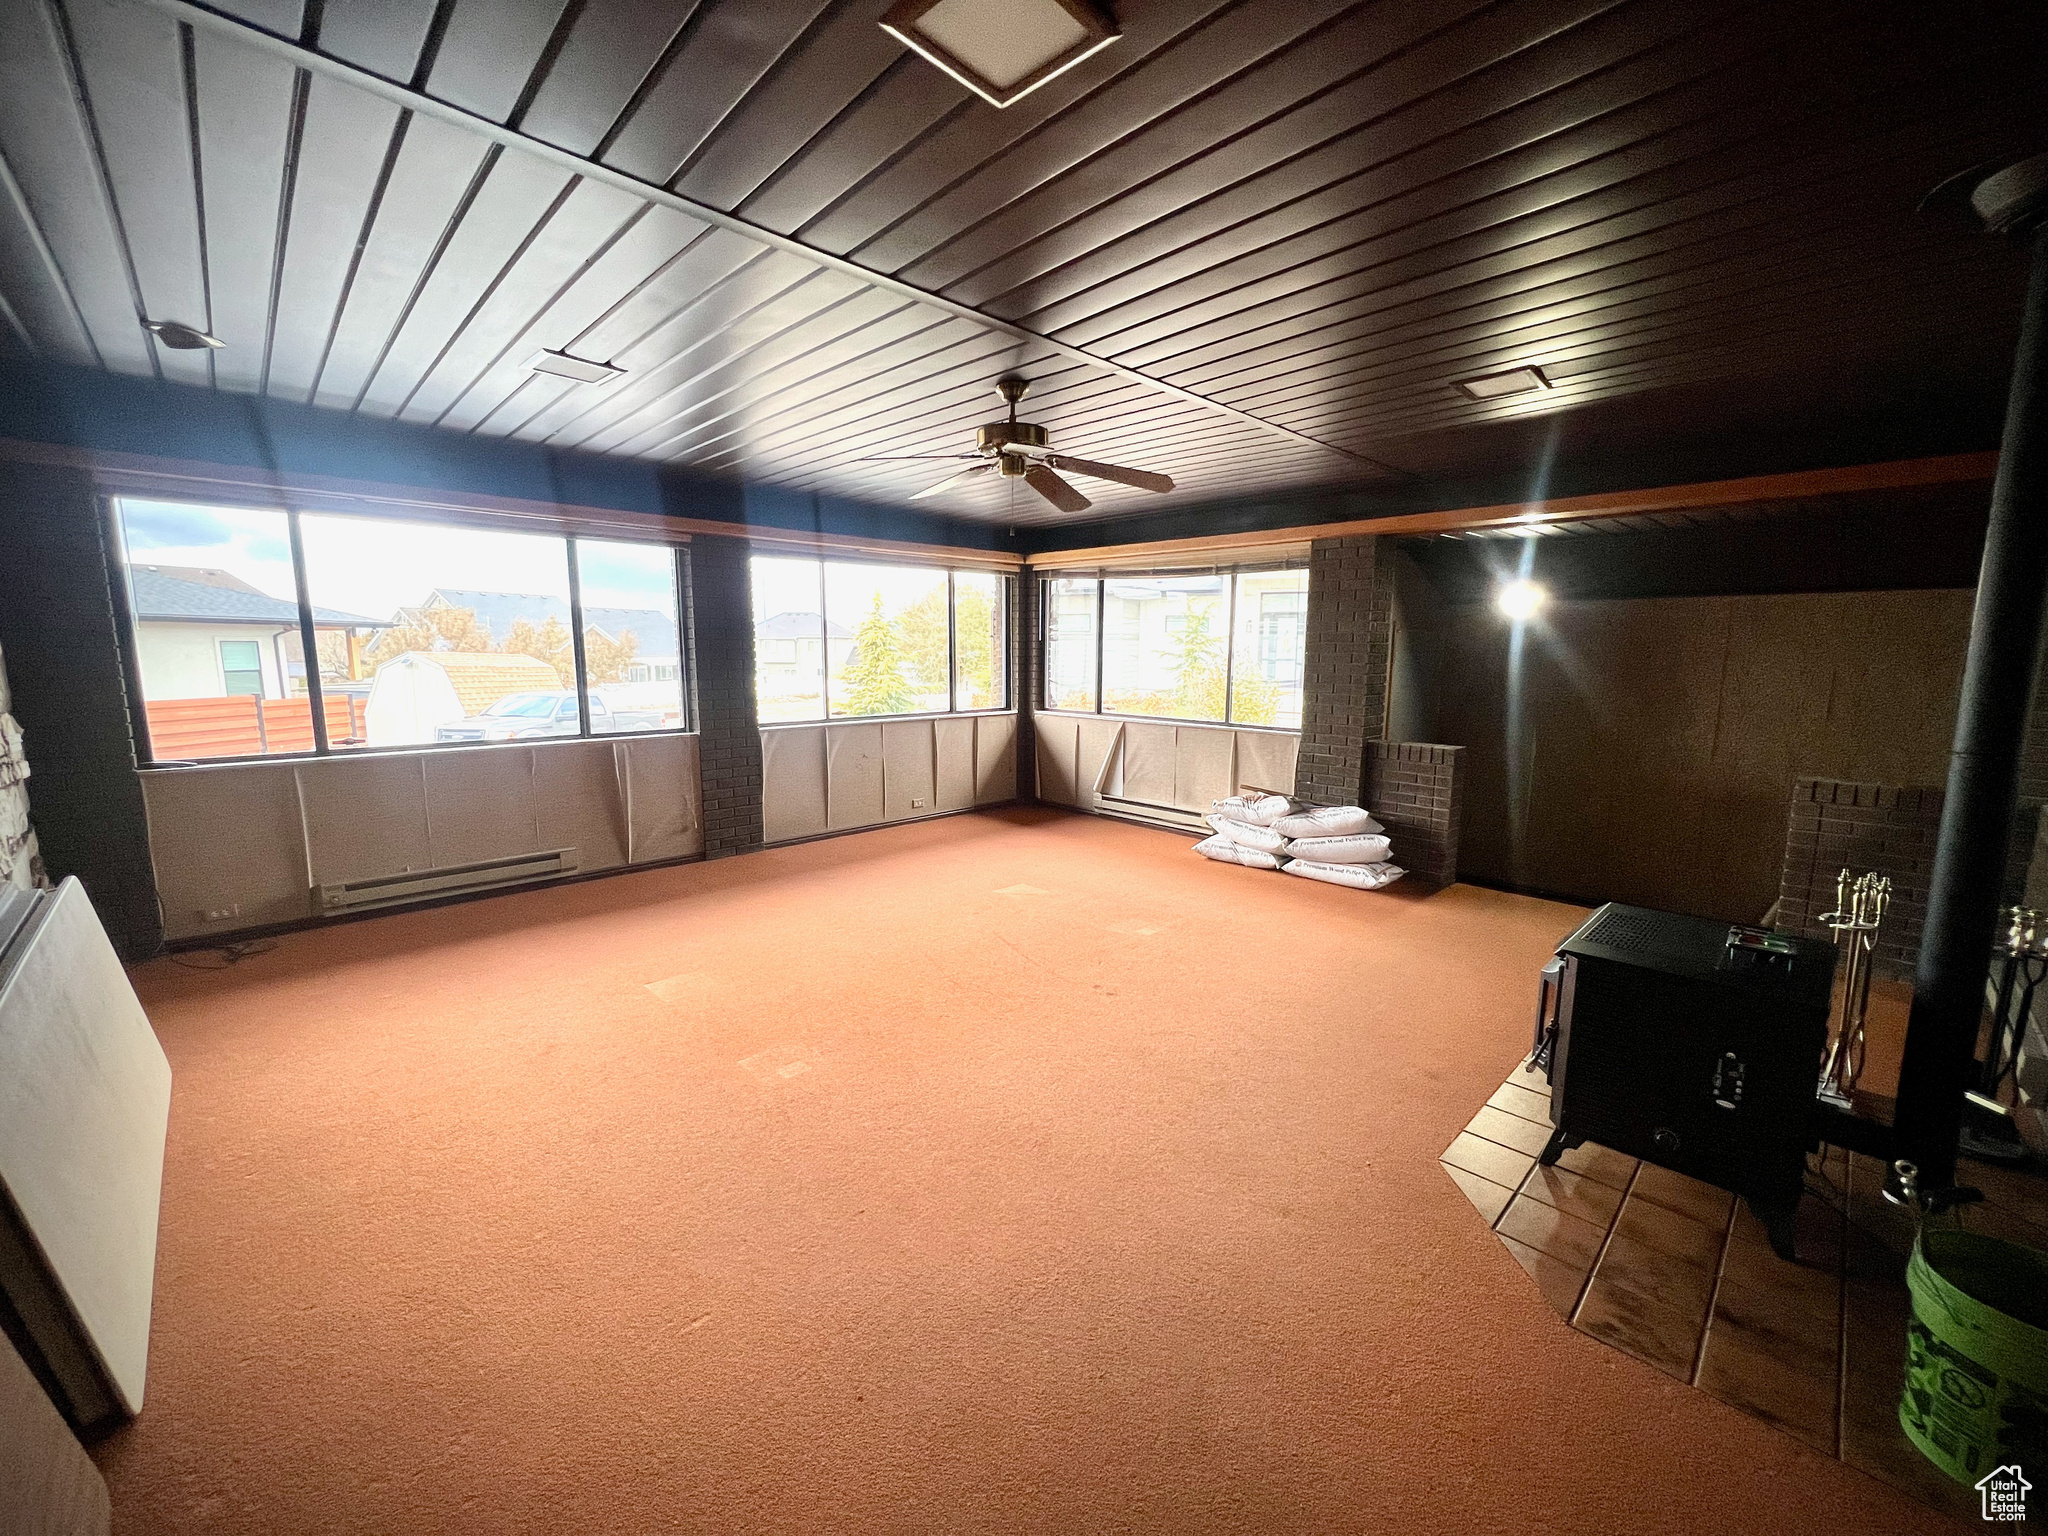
pixel 315 62
pixel 1892 475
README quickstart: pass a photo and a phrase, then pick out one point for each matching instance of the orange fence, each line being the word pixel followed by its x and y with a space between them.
pixel 245 726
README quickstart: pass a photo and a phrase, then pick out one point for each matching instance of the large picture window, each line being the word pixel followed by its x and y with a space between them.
pixel 835 639
pixel 1223 646
pixel 423 634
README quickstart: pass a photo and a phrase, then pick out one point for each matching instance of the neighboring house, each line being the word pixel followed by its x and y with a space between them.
pixel 415 694
pixel 790 657
pixel 202 633
pixel 657 653
pixel 1142 625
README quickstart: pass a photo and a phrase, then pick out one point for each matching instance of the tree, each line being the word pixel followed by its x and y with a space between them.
pixel 549 643
pixel 431 629
pixel 975 630
pixel 921 631
pixel 606 659
pixel 873 679
pixel 1201 677
pixel 1195 658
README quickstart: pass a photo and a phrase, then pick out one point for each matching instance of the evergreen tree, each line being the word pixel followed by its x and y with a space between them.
pixel 873 681
pixel 1196 661
pixel 975 634
pixel 921 631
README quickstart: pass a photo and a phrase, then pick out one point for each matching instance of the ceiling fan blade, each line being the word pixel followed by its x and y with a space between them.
pixel 913 458
pixel 1055 490
pixel 953 479
pixel 1143 479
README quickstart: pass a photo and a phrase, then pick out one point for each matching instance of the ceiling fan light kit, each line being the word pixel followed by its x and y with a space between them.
pixel 1022 450
pixel 181 337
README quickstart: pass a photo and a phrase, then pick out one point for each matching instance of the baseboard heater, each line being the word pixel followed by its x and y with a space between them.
pixel 448 880
pixel 1178 817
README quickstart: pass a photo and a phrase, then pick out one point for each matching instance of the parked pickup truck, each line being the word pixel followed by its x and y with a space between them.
pixel 525 716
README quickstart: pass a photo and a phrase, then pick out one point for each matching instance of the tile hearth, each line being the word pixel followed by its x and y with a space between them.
pixel 1681 1276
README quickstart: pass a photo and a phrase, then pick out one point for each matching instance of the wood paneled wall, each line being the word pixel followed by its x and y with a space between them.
pixel 1650 750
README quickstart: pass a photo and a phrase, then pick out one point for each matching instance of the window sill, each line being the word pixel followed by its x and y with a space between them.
pixel 353 754
pixel 1219 725
pixel 934 714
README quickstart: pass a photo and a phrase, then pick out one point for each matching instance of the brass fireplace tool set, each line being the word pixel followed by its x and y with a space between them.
pixel 1860 903
pixel 1988 1129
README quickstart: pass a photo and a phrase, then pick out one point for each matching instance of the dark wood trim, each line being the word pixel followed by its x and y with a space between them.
pixel 1949 469
pixel 142 474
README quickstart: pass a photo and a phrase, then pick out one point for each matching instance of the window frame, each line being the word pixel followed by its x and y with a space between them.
pixel 1006 592
pixel 118 566
pixel 1102 578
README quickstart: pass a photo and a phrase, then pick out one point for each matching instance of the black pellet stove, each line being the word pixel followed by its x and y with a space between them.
pixel 1691 1045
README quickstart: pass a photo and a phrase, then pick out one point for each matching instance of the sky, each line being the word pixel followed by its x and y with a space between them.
pixel 375 566
pixel 791 586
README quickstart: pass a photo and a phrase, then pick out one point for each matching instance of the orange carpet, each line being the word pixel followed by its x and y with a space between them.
pixel 1013 1172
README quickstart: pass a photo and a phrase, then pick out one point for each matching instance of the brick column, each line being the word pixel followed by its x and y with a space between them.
pixel 1349 649
pixel 1026 675
pixel 1836 825
pixel 63 651
pixel 1417 792
pixel 721 620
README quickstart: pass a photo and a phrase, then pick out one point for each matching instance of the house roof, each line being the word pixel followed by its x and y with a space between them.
pixel 499 611
pixel 198 594
pixel 798 626
pixel 481 678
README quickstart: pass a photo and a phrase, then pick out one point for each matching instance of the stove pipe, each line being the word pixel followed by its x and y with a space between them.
pixel 1991 721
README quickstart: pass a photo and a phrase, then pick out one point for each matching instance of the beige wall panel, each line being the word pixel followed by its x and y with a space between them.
pixel 1659 738
pixel 1098 738
pixel 853 767
pixel 953 748
pixel 1148 762
pixel 995 758
pixel 365 816
pixel 480 804
pixel 1266 758
pixel 48 1485
pixel 576 792
pixel 227 837
pixel 909 774
pixel 792 782
pixel 1201 765
pixel 1058 743
pixel 666 823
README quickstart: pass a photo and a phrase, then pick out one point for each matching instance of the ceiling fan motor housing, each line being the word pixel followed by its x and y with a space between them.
pixel 997 436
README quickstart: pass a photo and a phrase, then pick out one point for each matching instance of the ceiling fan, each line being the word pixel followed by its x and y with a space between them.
pixel 1018 450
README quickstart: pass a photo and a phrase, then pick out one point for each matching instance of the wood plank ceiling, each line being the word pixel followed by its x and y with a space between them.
pixel 1249 244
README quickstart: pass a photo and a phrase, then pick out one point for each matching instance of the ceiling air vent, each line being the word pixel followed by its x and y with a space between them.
pixel 1498 386
pixel 1002 50
pixel 581 369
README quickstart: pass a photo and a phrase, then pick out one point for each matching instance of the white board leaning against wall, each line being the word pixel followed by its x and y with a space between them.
pixel 20 862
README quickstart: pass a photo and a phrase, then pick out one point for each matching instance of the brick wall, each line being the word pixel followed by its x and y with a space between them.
pixel 1836 825
pixel 58 631
pixel 1349 651
pixel 1024 678
pixel 1416 791
pixel 721 625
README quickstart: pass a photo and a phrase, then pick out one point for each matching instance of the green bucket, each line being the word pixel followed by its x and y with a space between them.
pixel 1976 1395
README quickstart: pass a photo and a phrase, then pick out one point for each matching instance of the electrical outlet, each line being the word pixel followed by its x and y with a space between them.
pixel 917 805
pixel 219 914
